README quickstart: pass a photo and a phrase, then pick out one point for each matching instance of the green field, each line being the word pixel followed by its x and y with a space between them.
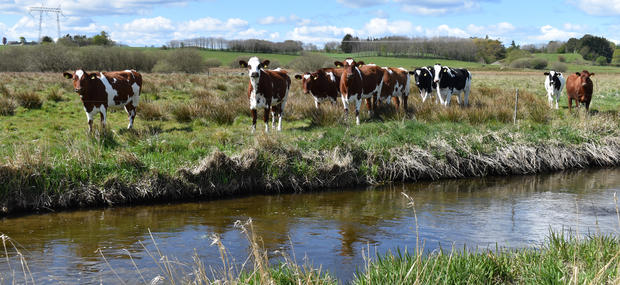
pixel 45 148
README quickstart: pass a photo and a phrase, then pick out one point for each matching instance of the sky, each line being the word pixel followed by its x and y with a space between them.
pixel 156 22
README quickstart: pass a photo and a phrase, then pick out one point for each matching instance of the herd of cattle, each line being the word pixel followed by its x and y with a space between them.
pixel 351 81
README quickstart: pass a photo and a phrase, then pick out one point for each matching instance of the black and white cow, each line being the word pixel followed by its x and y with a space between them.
pixel 554 83
pixel 452 81
pixel 423 78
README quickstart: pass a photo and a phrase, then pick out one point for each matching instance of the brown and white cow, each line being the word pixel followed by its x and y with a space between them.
pixel 579 88
pixel 395 86
pixel 323 84
pixel 358 82
pixel 267 89
pixel 101 90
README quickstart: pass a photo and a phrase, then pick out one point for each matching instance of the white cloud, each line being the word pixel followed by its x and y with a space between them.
pixel 319 34
pixel 213 25
pixel 439 7
pixel 550 33
pixel 445 31
pixel 150 25
pixel 274 36
pixel 377 27
pixel 362 3
pixel 598 7
pixel 292 19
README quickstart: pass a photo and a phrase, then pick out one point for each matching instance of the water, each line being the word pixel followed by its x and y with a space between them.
pixel 329 229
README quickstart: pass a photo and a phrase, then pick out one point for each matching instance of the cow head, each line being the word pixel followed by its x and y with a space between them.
pixel 307 80
pixel 441 72
pixel 254 67
pixel 585 77
pixel 554 78
pixel 350 67
pixel 81 80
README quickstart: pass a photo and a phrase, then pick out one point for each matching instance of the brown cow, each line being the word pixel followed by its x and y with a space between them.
pixel 358 82
pixel 100 90
pixel 579 88
pixel 267 89
pixel 395 86
pixel 324 84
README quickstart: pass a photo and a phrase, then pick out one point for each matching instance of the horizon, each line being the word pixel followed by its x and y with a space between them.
pixel 156 23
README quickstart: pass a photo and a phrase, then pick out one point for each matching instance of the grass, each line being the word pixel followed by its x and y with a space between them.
pixel 192 123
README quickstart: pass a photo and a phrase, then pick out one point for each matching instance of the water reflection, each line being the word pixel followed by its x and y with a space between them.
pixel 330 228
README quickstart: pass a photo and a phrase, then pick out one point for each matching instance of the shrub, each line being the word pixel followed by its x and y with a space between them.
pixel 535 63
pixel 561 58
pixel 28 99
pixel 559 66
pixel 7 106
pixel 184 113
pixel 181 60
pixel 213 62
pixel 151 112
pixel 54 93
pixel 310 62
pixel 601 60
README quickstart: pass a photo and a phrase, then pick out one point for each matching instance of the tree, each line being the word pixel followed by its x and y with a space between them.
pixel 47 40
pixel 597 46
pixel 3 40
pixel 22 40
pixel 102 39
pixel 490 50
pixel 347 45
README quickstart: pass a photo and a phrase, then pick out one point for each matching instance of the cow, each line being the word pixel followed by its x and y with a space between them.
pixel 579 88
pixel 101 90
pixel 395 86
pixel 423 78
pixel 451 81
pixel 268 89
pixel 323 84
pixel 359 82
pixel 554 83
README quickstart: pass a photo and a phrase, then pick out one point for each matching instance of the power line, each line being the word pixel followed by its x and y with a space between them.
pixel 42 10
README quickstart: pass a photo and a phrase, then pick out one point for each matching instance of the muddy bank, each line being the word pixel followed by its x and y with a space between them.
pixel 278 170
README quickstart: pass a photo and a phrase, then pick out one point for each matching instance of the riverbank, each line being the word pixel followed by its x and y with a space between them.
pixel 192 141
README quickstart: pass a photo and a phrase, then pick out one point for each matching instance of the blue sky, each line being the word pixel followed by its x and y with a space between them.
pixel 155 22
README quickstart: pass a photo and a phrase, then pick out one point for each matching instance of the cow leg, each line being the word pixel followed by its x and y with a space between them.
pixel 466 98
pixel 358 104
pixel 441 99
pixel 371 104
pixel 89 118
pixel 396 102
pixel 316 103
pixel 557 100
pixel 266 119
pixel 131 112
pixel 253 111
pixel 276 110
pixel 345 104
pixel 273 118
pixel 405 97
pixel 550 99
pixel 587 106
pixel 448 98
pixel 458 98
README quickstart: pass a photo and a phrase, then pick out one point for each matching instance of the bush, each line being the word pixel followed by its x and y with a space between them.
pixel 151 112
pixel 535 63
pixel 28 99
pixel 601 60
pixel 310 62
pixel 7 106
pixel 559 66
pixel 54 93
pixel 213 62
pixel 186 60
pixel 561 58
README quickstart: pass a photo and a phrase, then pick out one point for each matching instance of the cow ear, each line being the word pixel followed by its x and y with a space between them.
pixel 265 63
pixel 243 63
pixel 360 63
pixel 592 74
pixel 67 75
pixel 92 76
pixel 338 64
pixel 297 76
pixel 546 73
pixel 578 74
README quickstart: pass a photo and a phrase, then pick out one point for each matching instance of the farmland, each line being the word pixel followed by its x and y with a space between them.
pixel 188 125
